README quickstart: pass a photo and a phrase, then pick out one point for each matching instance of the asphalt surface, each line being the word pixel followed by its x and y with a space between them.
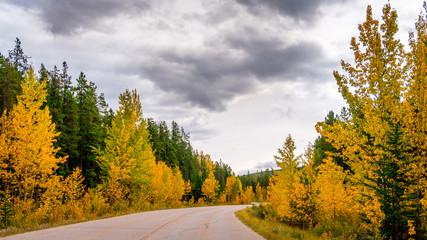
pixel 218 222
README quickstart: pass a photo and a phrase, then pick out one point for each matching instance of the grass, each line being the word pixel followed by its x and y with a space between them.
pixel 272 229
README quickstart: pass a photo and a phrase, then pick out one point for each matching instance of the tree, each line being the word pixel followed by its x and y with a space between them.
pixel 12 70
pixel 415 120
pixel 282 184
pixel 90 129
pixel 210 184
pixel 372 141
pixel 28 156
pixel 69 138
pixel 335 200
pixel 233 189
pixel 323 148
pixel 127 160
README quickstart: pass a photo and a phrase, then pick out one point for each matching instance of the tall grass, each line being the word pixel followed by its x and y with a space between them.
pixel 254 218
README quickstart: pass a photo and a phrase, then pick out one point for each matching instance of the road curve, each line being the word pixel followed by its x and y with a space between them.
pixel 217 222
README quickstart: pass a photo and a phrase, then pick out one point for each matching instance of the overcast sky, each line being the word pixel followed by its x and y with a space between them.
pixel 238 75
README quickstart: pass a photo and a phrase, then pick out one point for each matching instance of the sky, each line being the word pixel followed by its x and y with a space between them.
pixel 238 75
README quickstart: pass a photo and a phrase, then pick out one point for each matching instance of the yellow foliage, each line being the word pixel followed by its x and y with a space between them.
pixel 51 209
pixel 261 193
pixel 73 192
pixel 94 202
pixel 247 196
pixel 162 183
pixel 127 160
pixel 27 153
pixel 335 200
pixel 179 188
pixel 289 191
pixel 233 188
pixel 210 186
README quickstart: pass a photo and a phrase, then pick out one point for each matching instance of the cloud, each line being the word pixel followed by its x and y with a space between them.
pixel 265 165
pixel 300 10
pixel 269 60
pixel 66 17
pixel 210 78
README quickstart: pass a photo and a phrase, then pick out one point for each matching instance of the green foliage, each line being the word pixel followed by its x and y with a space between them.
pixel 6 211
pixel 323 148
pixel 12 70
pixel 91 132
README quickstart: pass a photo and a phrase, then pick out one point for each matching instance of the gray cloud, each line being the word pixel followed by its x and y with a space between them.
pixel 209 79
pixel 266 165
pixel 66 17
pixel 300 10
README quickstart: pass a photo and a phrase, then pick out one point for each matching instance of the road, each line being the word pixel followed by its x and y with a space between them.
pixel 218 222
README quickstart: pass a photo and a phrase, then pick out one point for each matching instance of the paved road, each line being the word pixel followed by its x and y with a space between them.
pixel 217 222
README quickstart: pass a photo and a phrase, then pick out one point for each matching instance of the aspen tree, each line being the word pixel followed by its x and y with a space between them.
pixel 282 186
pixel 128 160
pixel 210 186
pixel 335 200
pixel 27 158
pixel 247 195
pixel 233 188
pixel 161 184
pixel 415 109
pixel 373 141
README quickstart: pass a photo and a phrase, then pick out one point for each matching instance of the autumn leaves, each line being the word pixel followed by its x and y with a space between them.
pixel 382 142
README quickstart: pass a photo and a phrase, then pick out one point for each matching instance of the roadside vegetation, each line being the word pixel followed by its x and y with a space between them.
pixel 365 176
pixel 271 229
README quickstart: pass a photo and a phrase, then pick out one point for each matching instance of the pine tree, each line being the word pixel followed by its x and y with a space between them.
pixel 90 129
pixel 69 138
pixel 12 70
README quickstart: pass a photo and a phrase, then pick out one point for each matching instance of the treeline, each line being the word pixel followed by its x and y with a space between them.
pixel 365 177
pixel 65 155
pixel 259 182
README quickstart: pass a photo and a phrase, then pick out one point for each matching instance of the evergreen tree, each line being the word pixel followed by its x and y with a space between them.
pixel 12 70
pixel 90 129
pixel 69 138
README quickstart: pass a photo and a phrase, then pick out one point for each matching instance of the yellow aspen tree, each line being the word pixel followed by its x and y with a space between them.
pixel 50 209
pixel 373 141
pixel 247 195
pixel 127 160
pixel 335 200
pixel 210 186
pixel 28 156
pixel 415 109
pixel 233 188
pixel 303 196
pixel 260 193
pixel 281 185
pixel 179 188
pixel 161 184
pixel 73 191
